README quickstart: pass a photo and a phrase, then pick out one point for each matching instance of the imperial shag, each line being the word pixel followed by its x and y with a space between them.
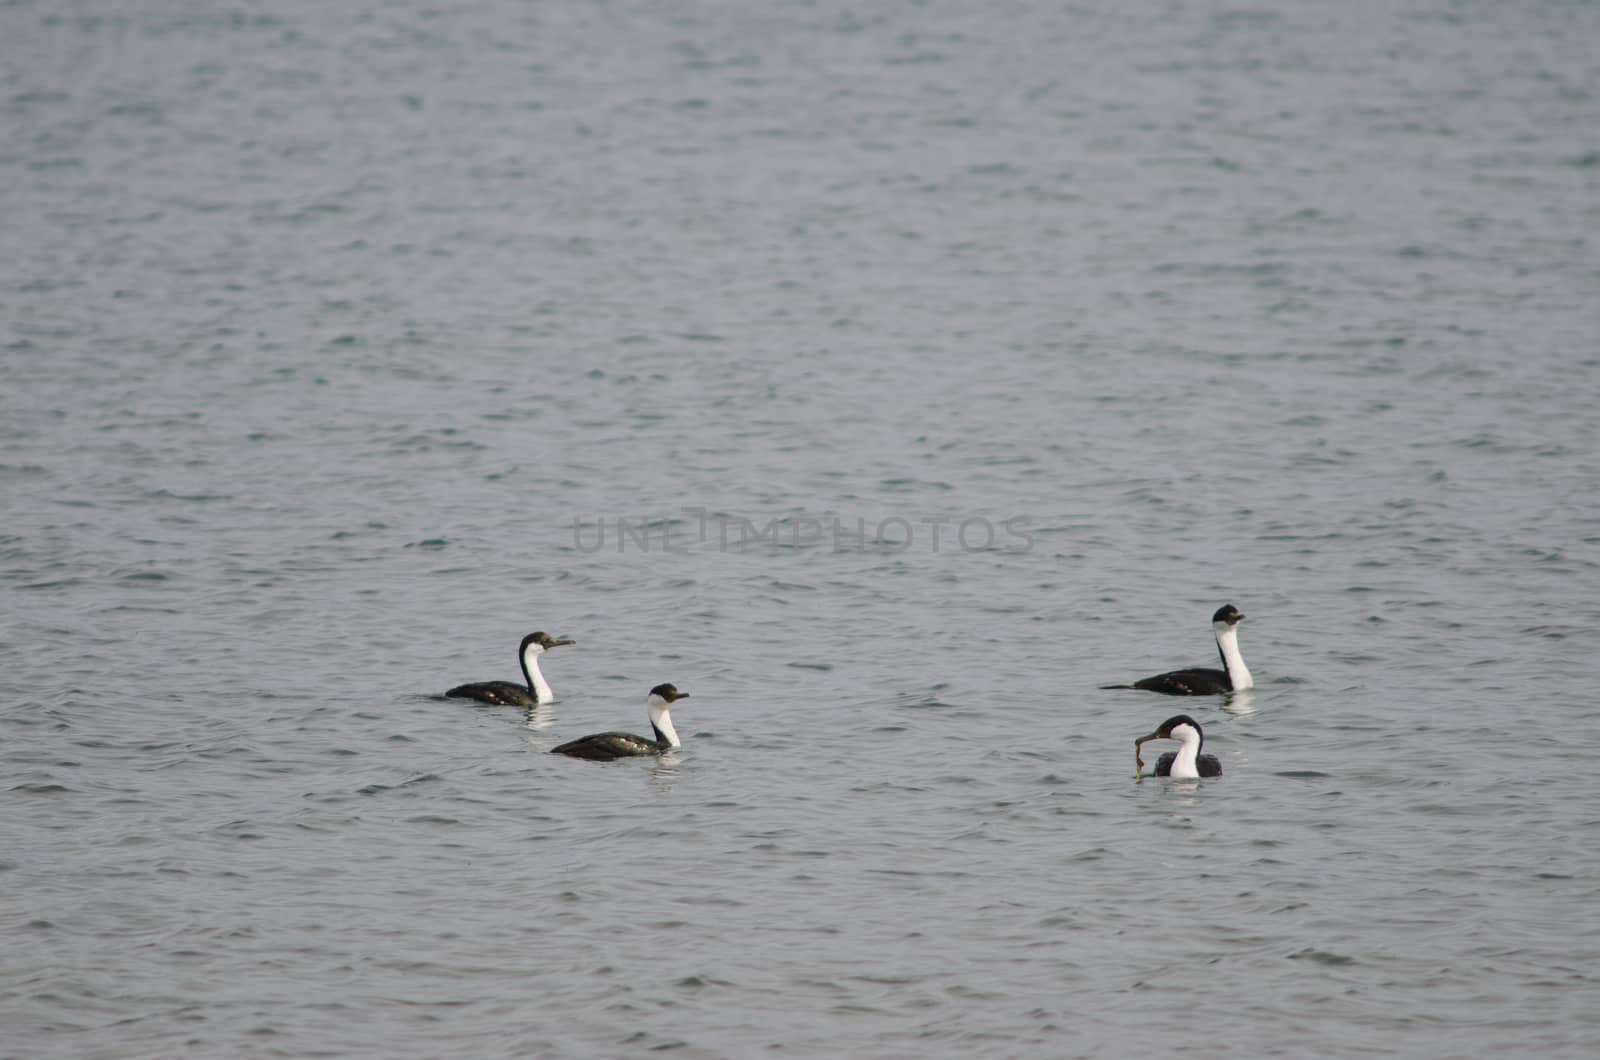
pixel 507 693
pixel 604 746
pixel 1186 763
pixel 1234 677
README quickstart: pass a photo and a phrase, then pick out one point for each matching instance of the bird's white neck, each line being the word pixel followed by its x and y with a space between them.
pixel 1185 765
pixel 1232 661
pixel 662 720
pixel 536 681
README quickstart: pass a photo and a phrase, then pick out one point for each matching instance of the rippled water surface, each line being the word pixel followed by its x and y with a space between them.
pixel 888 378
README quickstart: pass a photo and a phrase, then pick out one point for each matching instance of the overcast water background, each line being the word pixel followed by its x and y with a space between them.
pixel 337 339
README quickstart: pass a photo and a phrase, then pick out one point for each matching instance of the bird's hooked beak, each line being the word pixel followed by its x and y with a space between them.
pixel 1138 763
pixel 558 643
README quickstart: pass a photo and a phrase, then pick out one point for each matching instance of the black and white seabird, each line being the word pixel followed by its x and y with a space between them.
pixel 604 746
pixel 1234 677
pixel 1186 763
pixel 507 693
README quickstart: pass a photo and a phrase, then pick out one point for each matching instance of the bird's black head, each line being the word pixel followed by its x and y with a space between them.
pixel 1227 613
pixel 544 640
pixel 668 693
pixel 1165 731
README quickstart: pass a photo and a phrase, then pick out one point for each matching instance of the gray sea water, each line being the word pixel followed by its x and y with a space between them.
pixel 886 376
